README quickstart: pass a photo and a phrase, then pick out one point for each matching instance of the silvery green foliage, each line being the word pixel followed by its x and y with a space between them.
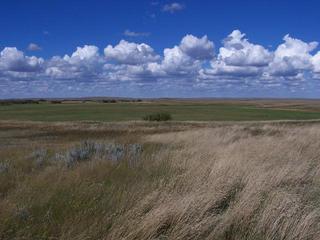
pixel 4 167
pixel 116 152
pixel 135 149
pixel 83 152
pixel 40 156
pixel 59 157
pixel 88 150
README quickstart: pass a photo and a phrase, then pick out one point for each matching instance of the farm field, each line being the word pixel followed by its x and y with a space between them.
pixel 173 180
pixel 202 110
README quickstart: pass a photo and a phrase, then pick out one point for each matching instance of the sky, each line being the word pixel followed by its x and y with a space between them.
pixel 153 48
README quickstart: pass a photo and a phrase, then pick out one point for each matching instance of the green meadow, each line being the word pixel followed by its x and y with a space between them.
pixel 180 111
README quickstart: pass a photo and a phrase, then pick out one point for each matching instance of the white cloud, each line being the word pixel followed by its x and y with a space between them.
pixel 183 60
pixel 197 48
pixel 87 53
pixel 239 63
pixel 129 33
pixel 238 51
pixel 55 72
pixel 220 68
pixel 316 62
pixel 84 62
pixel 130 53
pixel 173 7
pixel 138 61
pixel 11 59
pixel 239 58
pixel 175 61
pixel 293 47
pixel 292 56
pixel 34 47
pixel 144 72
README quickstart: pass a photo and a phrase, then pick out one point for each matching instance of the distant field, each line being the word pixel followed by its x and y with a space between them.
pixel 180 111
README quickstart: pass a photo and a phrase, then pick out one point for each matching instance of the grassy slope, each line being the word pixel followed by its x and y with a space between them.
pixel 244 182
pixel 135 111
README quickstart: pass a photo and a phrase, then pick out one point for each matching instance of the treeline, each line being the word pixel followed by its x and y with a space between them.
pixel 38 101
pixel 121 100
pixel 26 101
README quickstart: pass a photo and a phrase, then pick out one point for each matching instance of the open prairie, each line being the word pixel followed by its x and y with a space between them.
pixel 172 180
pixel 159 120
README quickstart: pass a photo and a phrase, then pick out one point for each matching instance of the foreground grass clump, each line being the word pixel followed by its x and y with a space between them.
pixel 240 181
pixel 157 117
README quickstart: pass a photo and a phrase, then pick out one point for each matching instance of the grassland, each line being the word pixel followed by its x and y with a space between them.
pixel 76 170
pixel 222 181
pixel 180 111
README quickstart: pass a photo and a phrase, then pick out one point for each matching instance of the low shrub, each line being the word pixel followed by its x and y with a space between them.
pixel 80 153
pixel 157 117
pixel 88 150
pixel 40 156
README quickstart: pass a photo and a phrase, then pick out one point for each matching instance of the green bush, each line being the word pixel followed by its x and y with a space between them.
pixel 157 117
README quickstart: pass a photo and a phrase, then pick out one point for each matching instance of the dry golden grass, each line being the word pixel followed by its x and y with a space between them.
pixel 226 181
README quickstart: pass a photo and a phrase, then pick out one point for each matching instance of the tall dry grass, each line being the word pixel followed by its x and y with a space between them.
pixel 236 182
pixel 240 181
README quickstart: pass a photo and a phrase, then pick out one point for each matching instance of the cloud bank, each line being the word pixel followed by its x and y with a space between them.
pixel 193 64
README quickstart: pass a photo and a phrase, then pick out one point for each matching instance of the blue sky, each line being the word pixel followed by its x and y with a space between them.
pixel 158 48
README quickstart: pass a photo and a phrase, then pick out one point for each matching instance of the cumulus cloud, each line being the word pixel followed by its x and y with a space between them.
pixel 34 47
pixel 292 57
pixel 239 58
pixel 130 53
pixel 11 59
pixel 129 33
pixel 84 62
pixel 85 53
pixel 316 62
pixel 220 68
pixel 175 61
pixel 197 48
pixel 238 51
pixel 238 63
pixel 173 7
pixel 185 59
pixel 290 65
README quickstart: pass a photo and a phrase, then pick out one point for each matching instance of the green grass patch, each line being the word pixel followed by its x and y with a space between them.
pixel 136 111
